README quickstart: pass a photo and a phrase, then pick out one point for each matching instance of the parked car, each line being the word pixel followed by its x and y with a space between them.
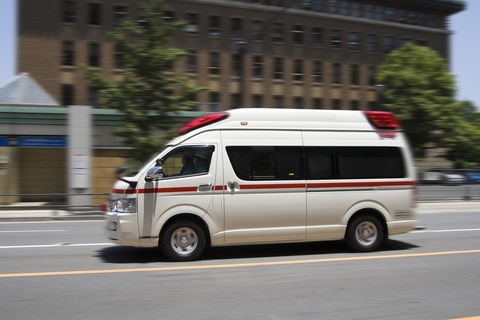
pixel 453 178
pixel 472 176
pixel 443 176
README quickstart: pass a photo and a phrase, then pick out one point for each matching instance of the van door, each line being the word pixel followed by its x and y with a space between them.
pixel 265 186
pixel 187 186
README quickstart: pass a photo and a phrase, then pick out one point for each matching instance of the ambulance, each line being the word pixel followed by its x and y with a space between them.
pixel 264 176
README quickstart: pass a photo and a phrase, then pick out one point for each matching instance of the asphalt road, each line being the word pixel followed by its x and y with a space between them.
pixel 68 270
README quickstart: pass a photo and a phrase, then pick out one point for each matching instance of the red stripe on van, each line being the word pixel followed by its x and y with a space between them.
pixel 272 186
pixel 359 184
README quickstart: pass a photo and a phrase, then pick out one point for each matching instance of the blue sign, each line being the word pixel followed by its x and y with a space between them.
pixel 3 142
pixel 42 142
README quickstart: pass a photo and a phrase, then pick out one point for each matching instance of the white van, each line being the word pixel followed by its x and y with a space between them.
pixel 259 176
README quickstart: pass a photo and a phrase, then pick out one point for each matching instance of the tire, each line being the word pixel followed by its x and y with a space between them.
pixel 365 233
pixel 183 240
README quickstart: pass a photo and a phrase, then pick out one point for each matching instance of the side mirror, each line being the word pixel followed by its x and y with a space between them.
pixel 154 174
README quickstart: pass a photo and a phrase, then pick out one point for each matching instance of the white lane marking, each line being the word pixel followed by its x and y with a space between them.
pixel 30 231
pixel 447 230
pixel 63 244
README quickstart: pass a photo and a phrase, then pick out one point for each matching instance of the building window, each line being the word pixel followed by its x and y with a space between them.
pixel 318 5
pixel 192 61
pixel 257 101
pixel 298 102
pixel 378 13
pixel 69 11
pixel 214 26
pixel 372 76
pixel 337 104
pixel 68 95
pixel 317 37
pixel 257 66
pixel 278 68
pixel 236 28
pixel 192 23
pixel 237 63
pixel 94 54
pixel 258 30
pixel 68 53
pixel 278 33
pixel 336 73
pixel 235 100
pixel 298 70
pixel 354 105
pixel 344 8
pixel 317 103
pixel 336 39
pixel 118 57
pixel 297 34
pixel 368 11
pixel 388 44
pixel 214 67
pixel 333 6
pixel 372 43
pixel 119 15
pixel 317 73
pixel 390 14
pixel 354 41
pixel 354 74
pixel 214 101
pixel 355 9
pixel 278 101
pixel 94 14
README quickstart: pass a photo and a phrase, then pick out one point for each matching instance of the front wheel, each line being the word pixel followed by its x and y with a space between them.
pixel 365 233
pixel 183 241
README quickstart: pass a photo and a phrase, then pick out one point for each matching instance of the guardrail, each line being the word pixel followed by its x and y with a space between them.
pixel 58 201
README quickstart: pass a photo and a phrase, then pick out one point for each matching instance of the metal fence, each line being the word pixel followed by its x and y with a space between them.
pixel 59 201
pixel 46 201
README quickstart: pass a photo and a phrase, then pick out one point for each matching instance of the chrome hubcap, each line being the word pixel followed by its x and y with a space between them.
pixel 366 233
pixel 184 241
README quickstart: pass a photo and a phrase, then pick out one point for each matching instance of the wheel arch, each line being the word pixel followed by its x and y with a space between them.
pixel 186 216
pixel 368 211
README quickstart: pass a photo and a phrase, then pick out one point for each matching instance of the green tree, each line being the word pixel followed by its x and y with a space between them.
pixel 421 92
pixel 148 92
pixel 464 139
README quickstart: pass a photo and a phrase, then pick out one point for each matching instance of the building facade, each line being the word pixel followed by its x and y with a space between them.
pixel 247 53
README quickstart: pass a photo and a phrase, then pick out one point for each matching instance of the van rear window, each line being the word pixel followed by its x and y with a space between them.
pixel 316 163
pixel 369 162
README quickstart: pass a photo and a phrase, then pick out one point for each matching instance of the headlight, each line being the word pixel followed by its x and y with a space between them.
pixel 123 205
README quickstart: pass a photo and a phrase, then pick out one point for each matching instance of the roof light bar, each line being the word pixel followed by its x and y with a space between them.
pixel 202 121
pixel 383 120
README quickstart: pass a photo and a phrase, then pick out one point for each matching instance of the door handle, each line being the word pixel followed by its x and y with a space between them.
pixel 204 187
pixel 233 186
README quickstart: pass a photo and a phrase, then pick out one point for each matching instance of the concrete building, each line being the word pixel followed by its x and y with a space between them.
pixel 248 53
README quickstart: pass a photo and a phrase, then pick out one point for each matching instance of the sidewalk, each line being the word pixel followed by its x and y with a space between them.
pixel 37 211
pixel 41 214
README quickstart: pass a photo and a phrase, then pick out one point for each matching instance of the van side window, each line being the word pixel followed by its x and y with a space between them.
pixel 370 162
pixel 267 162
pixel 320 163
pixel 188 160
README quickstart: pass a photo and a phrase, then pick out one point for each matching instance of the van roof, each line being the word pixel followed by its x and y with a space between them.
pixel 291 119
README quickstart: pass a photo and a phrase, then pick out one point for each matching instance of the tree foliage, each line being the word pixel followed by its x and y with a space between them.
pixel 148 92
pixel 421 92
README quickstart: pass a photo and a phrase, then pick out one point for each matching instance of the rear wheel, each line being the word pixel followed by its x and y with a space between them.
pixel 183 240
pixel 365 233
